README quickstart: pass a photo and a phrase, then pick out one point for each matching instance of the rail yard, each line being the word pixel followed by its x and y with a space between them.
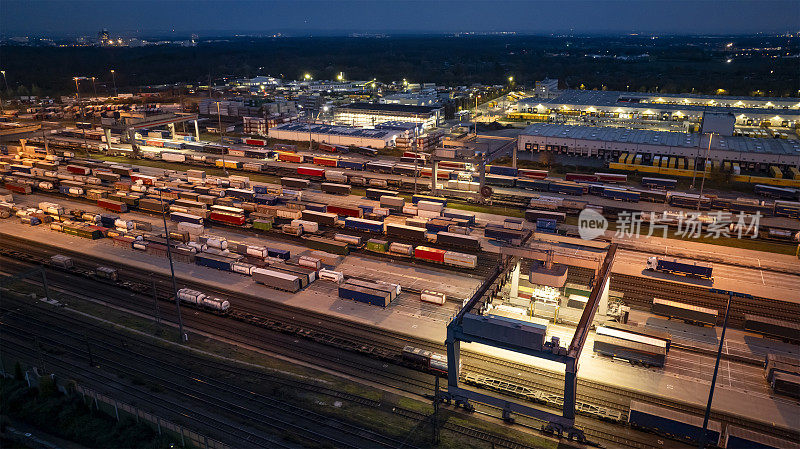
pixel 363 266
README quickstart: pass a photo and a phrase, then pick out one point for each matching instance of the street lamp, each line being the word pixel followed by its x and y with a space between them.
pixel 340 76
pixel 78 94
pixel 114 79
pixel 307 76
pixel 94 87
pixel 4 78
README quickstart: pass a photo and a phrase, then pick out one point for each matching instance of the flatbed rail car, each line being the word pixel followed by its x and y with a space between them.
pixel 672 424
pixel 425 360
pixel 637 349
pixel 772 328
pixel 686 312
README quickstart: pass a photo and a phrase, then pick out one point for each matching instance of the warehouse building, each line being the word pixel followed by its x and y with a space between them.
pixel 336 135
pixel 371 114
pixel 609 143
pixel 749 111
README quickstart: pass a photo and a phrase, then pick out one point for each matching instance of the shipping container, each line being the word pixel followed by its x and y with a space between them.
pixel 361 294
pixel 335 189
pixel 405 232
pixel 276 279
pixel 672 424
pixel 453 240
pixel 773 328
pixel 686 312
pixel 740 438
pixel 635 348
pixel 700 270
pixel 361 224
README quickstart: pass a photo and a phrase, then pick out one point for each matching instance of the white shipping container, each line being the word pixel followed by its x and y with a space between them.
pixel 433 297
pixel 256 251
pixel 218 243
pixel 173 157
pixel 351 239
pixel 310 262
pixel 124 224
pixel 193 229
pixel 308 226
pixel 428 214
pixel 432 206
pixel 410 210
pixel 241 267
pixel 335 176
pixel 460 259
pixel 380 211
pixel 545 310
pixel 289 214
pixel 400 248
pixel 330 275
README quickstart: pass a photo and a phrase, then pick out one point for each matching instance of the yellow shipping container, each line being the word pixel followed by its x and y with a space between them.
pixel 682 163
pixel 795 173
pixel 638 160
pixel 622 158
pixel 775 171
pixel 656 161
pixel 673 163
pixel 726 166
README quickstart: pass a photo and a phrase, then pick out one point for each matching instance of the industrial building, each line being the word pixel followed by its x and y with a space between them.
pixel 422 98
pixel 337 135
pixel 370 114
pixel 610 143
pixel 749 111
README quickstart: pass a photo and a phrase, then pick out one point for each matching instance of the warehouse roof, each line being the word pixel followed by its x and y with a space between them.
pixel 336 130
pixel 665 138
pixel 634 100
pixel 389 108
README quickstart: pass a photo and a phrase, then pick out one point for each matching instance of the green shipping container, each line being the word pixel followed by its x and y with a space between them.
pixel 262 225
pixel 380 246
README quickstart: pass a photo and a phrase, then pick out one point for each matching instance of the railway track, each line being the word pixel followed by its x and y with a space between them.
pixel 385 343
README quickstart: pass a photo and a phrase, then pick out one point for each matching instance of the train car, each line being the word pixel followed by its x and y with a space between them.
pixel 182 217
pixel 612 178
pixel 660 183
pixel 115 206
pixel 311 171
pixel 786 384
pixel 23 189
pixel 79 170
pixel 654 196
pixel 201 300
pixel 366 151
pixel 541 185
pixel 621 194
pixel 533 215
pixel 344 211
pixel 335 189
pixel 773 328
pixel 352 165
pixel 435 199
pixel 380 166
pixel 295 183
pixel 686 312
pixel 740 438
pixel 242 194
pixel 425 360
pixel 453 240
pixel 405 232
pixel 635 348
pixel 531 174
pixel 406 170
pixel 325 161
pixel 674 266
pixel 361 224
pixel 580 177
pixel 672 424
pixel 781 193
pixel 789 209
pixel 376 194
pixel 500 180
pixel 289 157
pixel 429 254
pixel 228 215
pixel 501 170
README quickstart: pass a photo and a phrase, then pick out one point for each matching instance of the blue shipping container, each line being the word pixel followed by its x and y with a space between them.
pixel 533 184
pixel 502 170
pixel 212 261
pixel 363 225
pixel 279 253
pixel 260 198
pixel 545 225
pixel 436 199
pixel 470 218
pixel 362 294
pixel 317 207
pixel 351 165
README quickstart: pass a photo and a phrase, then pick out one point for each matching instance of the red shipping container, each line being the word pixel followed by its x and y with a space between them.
pixel 328 148
pixel 79 170
pixel 146 180
pixel 345 211
pixel 116 206
pixel 235 152
pixel 580 177
pixel 311 171
pixel 329 162
pixel 532 174
pixel 428 253
pixel 255 142
pixel 611 177
pixel 154 143
pixel 18 188
pixel 236 220
pixel 290 157
pixel 451 164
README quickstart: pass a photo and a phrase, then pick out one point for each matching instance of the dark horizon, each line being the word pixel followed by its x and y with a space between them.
pixel 146 18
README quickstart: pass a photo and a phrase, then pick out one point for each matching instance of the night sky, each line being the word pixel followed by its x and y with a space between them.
pixel 226 17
